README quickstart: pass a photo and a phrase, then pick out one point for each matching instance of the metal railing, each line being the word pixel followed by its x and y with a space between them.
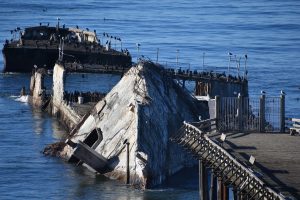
pixel 265 114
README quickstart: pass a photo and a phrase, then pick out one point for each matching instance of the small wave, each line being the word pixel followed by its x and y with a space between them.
pixel 23 99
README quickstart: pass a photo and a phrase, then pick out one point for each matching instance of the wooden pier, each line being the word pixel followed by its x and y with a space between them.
pixel 253 166
pixel 206 83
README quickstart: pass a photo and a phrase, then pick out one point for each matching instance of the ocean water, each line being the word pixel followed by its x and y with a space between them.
pixel 195 32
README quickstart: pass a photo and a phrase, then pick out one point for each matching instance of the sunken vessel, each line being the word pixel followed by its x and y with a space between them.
pixel 39 46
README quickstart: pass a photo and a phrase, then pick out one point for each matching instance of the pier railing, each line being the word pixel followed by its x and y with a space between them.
pixel 264 114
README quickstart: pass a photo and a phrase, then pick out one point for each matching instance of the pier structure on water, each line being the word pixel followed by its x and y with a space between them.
pixel 244 148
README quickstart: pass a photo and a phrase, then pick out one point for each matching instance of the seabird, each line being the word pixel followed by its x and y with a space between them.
pixel 263 92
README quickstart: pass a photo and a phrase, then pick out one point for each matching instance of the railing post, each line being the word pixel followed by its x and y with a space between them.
pixel 262 110
pixel 217 111
pixel 240 112
pixel 201 180
pixel 282 112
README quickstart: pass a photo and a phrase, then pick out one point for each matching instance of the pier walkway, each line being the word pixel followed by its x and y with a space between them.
pixel 254 165
pixel 277 158
pixel 176 72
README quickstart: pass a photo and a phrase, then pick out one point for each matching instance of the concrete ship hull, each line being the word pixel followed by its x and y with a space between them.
pixel 23 59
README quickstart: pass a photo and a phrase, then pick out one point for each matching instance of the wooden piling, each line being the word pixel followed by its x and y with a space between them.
pixel 219 189
pixel 202 181
pixel 235 193
pixel 225 192
pixel 212 188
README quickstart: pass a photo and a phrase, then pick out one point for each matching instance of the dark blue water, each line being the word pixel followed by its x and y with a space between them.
pixel 267 31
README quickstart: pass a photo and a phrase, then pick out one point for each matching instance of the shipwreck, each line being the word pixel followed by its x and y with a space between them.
pixel 125 134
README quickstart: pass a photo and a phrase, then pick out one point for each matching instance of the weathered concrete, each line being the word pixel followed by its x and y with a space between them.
pixel 37 90
pixel 59 107
pixel 141 111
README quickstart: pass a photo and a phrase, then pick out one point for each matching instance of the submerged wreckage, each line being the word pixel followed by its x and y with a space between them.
pixel 126 134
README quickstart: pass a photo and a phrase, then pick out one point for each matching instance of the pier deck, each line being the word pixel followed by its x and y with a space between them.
pixel 277 158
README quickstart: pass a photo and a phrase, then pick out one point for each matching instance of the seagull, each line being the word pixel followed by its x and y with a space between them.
pixel 229 53
pixel 282 92
pixel 263 92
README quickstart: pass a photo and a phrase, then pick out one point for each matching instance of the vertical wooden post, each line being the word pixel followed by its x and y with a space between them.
pixel 201 189
pixel 211 191
pixel 240 112
pixel 282 112
pixel 262 119
pixel 127 164
pixel 235 193
pixel 202 181
pixel 219 189
pixel 225 192
pixel 217 111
